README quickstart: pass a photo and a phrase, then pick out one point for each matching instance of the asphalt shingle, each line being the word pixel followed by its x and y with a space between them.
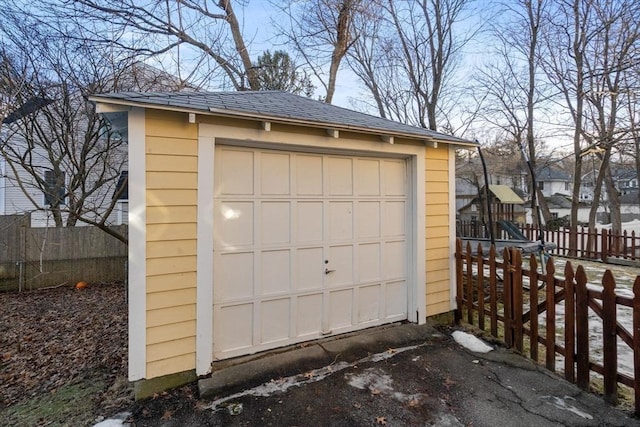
pixel 276 105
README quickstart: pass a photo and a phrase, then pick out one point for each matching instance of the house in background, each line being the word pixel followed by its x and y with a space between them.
pixel 263 219
pixel 20 191
pixel 552 180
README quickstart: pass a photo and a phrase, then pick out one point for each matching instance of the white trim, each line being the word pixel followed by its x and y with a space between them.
pixel 420 237
pixel 452 228
pixel 204 290
pixel 137 246
pixel 3 183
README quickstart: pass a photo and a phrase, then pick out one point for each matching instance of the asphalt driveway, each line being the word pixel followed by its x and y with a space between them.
pixel 400 375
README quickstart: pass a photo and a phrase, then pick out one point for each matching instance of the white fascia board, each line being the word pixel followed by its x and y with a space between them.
pixel 204 275
pixel 452 228
pixel 137 246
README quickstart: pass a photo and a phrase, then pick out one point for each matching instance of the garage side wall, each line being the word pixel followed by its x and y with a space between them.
pixel 171 197
pixel 437 231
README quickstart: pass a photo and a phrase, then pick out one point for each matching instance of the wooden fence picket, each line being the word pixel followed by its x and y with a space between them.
pixel 507 298
pixel 469 287
pixel 459 288
pixel 609 338
pixel 582 329
pixel 636 343
pixel 550 338
pixel 533 312
pixel 569 324
pixel 480 281
pixel 493 290
pixel 517 298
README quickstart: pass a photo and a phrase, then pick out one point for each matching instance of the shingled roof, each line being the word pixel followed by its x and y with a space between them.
pixel 275 106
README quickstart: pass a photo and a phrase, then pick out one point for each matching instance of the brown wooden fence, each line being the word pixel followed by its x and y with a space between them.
pixel 525 302
pixel 600 244
pixel 32 258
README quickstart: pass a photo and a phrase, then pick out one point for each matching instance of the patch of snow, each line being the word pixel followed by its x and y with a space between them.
pixel 561 403
pixel 471 342
pixel 283 384
pixel 117 421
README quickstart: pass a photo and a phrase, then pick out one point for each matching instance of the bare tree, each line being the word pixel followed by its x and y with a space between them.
pixel 513 85
pixel 322 32
pixel 62 155
pixel 203 32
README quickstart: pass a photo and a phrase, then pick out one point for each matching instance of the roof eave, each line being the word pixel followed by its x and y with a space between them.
pixel 456 142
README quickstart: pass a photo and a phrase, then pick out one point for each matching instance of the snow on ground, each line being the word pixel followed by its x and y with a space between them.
pixel 117 421
pixel 471 342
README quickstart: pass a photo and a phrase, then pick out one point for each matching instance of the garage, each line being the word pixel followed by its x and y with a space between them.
pixel 305 245
pixel 258 220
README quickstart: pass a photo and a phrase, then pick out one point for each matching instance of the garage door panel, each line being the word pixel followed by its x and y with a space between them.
pixel 237 169
pixel 275 274
pixel 369 301
pixel 235 224
pixel 309 175
pixel 368 219
pixel 275 174
pixel 368 177
pixel 395 259
pixel 309 221
pixel 394 178
pixel 340 171
pixel 275 320
pixel 309 267
pixel 275 222
pixel 234 277
pixel 309 314
pixel 233 327
pixel 369 257
pixel 340 220
pixel 396 299
pixel 340 308
pixel 394 218
pixel 340 266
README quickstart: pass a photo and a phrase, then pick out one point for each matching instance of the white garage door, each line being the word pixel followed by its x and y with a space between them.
pixel 305 245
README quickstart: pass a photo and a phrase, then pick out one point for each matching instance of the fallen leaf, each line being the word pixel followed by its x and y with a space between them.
pixel 413 403
pixel 308 375
pixel 167 415
pixel 381 421
pixel 391 350
pixel 357 405
pixel 375 392
pixel 448 382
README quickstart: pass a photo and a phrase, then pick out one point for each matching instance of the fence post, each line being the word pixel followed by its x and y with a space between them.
pixel 533 298
pixel 469 293
pixel 480 287
pixel 516 286
pixel 550 339
pixel 609 338
pixel 493 292
pixel 458 315
pixel 605 244
pixel 582 329
pixel 507 298
pixel 569 324
pixel 636 343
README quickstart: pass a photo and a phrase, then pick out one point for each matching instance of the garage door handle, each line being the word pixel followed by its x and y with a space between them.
pixel 327 271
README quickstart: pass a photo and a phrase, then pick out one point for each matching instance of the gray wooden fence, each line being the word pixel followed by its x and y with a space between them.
pixel 32 258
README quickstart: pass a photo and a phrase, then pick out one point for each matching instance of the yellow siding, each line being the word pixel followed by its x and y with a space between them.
pixel 180 363
pixel 171 249
pixel 162 233
pixel 172 177
pixel 178 330
pixel 438 252
pixel 176 348
pixel 169 315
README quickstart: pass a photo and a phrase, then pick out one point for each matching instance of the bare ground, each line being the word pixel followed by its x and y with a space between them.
pixel 63 355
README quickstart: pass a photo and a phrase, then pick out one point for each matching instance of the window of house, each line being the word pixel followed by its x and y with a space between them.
pixel 123 181
pixel 566 186
pixel 541 185
pixel 554 215
pixel 53 193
